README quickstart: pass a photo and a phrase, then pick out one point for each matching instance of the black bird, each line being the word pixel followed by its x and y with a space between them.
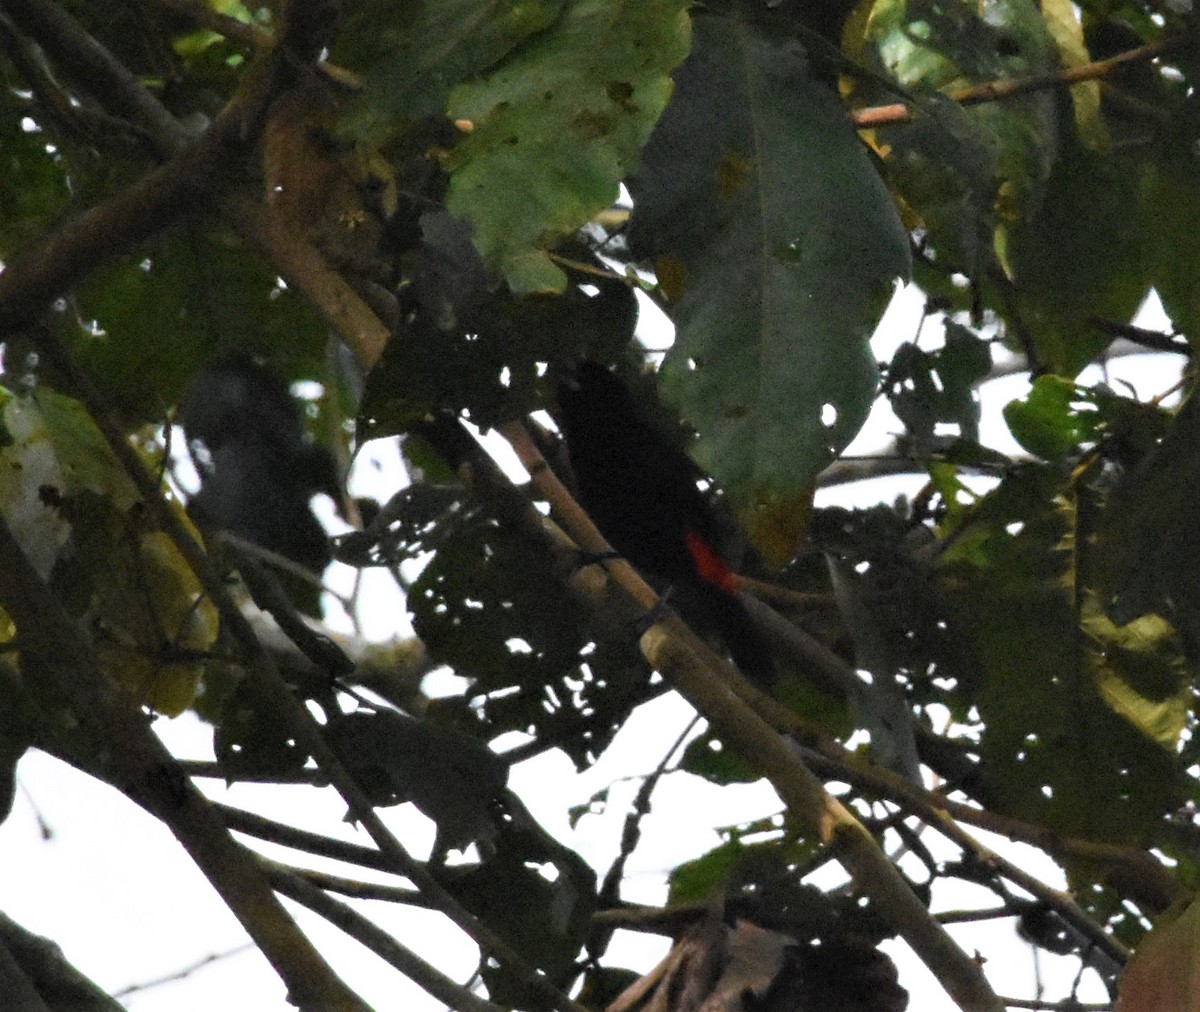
pixel 258 472
pixel 641 490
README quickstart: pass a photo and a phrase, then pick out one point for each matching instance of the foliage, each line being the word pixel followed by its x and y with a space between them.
pixel 414 214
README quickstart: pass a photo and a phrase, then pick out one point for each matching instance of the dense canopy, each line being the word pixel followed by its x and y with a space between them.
pixel 384 220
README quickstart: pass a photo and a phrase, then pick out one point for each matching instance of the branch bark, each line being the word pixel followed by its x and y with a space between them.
pixel 715 689
pixel 64 674
pixel 53 267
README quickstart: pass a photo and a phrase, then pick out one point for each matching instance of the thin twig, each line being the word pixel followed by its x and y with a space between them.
pixel 994 91
pixel 631 834
pixel 251 37
pixel 185 972
pixel 379 942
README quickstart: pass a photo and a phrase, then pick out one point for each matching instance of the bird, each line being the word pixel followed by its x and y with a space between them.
pixel 642 491
pixel 257 471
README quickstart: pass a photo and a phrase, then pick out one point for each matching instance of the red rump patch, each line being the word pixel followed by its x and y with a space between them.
pixel 709 565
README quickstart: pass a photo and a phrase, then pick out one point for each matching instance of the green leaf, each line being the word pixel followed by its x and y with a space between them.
pixel 152 621
pixel 1066 30
pixel 707 757
pixel 159 319
pixel 1163 974
pixel 756 191
pixel 251 741
pixel 1054 749
pixel 969 175
pixel 539 897
pixel 1142 673
pixel 1079 257
pixel 1172 206
pixel 451 777
pixel 945 165
pixel 1148 550
pixel 492 609
pixel 932 389
pixel 414 54
pixel 695 881
pixel 73 509
pixel 1058 418
pixel 1054 419
pixel 53 451
pixel 557 126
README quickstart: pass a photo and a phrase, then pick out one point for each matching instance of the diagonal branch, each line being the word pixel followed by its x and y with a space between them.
pixel 1013 87
pixel 96 71
pixel 101 234
pixel 62 670
pixel 27 286
pixel 303 891
pixel 265 679
pixel 715 689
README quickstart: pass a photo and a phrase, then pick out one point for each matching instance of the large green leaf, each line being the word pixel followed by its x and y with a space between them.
pixel 1172 207
pixel 414 54
pixel 558 125
pixel 1075 712
pixel 1149 542
pixel 1079 257
pixel 493 610
pixel 755 186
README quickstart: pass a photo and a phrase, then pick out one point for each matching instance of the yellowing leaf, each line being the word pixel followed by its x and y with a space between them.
pixel 1066 32
pixel 156 624
pixel 776 525
pixel 28 467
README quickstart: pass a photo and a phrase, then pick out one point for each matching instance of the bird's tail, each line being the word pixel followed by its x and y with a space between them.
pixel 724 614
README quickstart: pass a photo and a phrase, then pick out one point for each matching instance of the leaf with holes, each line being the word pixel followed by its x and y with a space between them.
pixel 756 198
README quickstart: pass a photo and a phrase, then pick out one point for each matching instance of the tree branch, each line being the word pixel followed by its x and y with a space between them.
pixel 66 677
pixel 101 234
pixel 96 71
pixel 29 284
pixel 265 679
pixel 715 689
pixel 36 977
pixel 994 91
pixel 379 942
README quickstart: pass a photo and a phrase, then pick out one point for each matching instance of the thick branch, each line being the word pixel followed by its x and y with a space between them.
pixel 275 694
pixel 707 682
pixel 62 669
pixel 33 971
pixel 303 267
pixel 28 285
pixel 103 233
pixel 96 71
